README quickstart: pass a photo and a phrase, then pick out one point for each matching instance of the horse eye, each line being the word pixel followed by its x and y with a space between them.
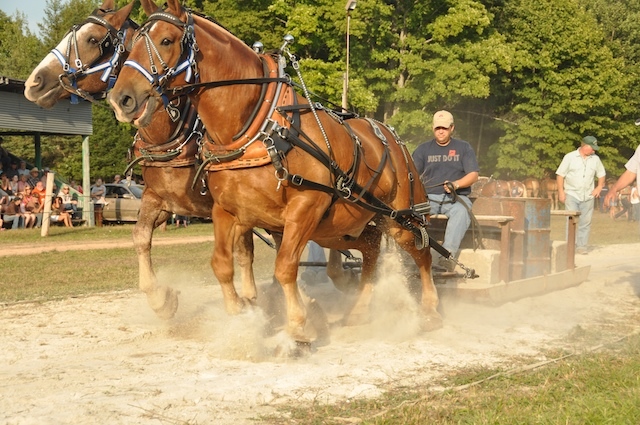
pixel 93 41
pixel 165 42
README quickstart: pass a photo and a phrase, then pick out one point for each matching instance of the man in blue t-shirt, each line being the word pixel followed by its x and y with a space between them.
pixel 441 161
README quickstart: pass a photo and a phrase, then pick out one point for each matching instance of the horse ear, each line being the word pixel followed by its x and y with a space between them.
pixel 108 5
pixel 149 7
pixel 175 6
pixel 122 15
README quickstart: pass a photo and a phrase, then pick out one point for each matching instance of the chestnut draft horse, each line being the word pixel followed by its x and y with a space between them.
pixel 274 163
pixel 167 147
pixel 533 187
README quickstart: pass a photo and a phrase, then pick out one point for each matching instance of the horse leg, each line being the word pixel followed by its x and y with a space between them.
pixel 431 319
pixel 343 280
pixel 224 228
pixel 369 245
pixel 243 252
pixel 294 240
pixel 162 299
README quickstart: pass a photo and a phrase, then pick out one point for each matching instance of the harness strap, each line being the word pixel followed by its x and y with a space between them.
pixel 476 230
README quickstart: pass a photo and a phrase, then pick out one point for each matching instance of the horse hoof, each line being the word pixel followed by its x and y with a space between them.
pixel 170 305
pixel 431 322
pixel 297 349
pixel 317 319
pixel 251 303
pixel 303 349
pixel 356 319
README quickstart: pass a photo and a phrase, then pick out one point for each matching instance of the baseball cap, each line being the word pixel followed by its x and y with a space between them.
pixel 591 141
pixel 442 119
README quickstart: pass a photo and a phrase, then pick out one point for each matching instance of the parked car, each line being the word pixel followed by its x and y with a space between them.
pixel 123 203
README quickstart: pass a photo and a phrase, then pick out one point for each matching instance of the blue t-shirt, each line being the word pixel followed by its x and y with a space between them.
pixel 437 164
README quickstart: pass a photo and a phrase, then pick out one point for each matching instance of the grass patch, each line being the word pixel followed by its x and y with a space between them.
pixel 604 230
pixel 86 234
pixel 599 387
pixel 55 275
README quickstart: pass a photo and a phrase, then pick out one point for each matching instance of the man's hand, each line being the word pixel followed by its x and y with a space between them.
pixel 610 196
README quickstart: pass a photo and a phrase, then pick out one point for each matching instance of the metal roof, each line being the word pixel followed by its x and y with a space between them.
pixel 20 116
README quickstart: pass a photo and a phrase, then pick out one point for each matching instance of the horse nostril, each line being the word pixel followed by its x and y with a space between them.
pixel 127 103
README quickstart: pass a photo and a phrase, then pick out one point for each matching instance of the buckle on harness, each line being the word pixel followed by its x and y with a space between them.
pixel 422 209
pixel 297 179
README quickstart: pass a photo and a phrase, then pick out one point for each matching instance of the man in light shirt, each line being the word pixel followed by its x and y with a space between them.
pixel 575 177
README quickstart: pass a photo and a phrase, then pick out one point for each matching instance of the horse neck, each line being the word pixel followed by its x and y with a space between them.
pixel 224 110
pixel 161 128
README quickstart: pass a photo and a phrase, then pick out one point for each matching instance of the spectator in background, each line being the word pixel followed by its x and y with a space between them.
pixel 181 219
pixel 11 212
pixel 23 169
pixel 98 192
pixel 34 177
pixel 22 183
pixel 41 192
pixel 69 202
pixel 117 179
pixel 5 185
pixel 76 186
pixel 603 193
pixel 29 207
pixel 635 203
pixel 59 214
pixel 575 177
pixel 12 170
pixel 14 184
pixel 624 202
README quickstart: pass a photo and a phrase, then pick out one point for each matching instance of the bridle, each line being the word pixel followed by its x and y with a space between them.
pixel 186 61
pixel 112 43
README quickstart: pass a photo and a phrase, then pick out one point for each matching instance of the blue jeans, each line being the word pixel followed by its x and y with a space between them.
pixel 584 221
pixel 458 219
pixel 14 219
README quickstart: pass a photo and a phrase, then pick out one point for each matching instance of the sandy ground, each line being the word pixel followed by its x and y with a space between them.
pixel 106 359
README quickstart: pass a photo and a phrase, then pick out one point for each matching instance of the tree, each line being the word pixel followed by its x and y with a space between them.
pixel 565 84
pixel 19 48
pixel 59 18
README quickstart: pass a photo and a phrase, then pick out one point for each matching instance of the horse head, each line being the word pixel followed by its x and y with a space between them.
pixel 86 60
pixel 164 57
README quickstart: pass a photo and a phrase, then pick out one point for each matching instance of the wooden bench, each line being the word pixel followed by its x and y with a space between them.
pixel 490 223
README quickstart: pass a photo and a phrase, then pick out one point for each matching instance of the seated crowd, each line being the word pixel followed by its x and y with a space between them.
pixel 22 199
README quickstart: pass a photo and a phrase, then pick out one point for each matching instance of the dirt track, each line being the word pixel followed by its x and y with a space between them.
pixel 107 359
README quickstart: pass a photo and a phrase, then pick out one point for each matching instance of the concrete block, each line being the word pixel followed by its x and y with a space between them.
pixel 558 256
pixel 486 263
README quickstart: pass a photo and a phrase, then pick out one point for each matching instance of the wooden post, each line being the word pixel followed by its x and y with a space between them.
pixel 46 214
pixel 87 205
pixel 572 222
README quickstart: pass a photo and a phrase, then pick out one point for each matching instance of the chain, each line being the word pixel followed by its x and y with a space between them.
pixel 307 95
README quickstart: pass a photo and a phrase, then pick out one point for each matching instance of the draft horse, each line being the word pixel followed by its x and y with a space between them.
pixel 305 171
pixel 85 64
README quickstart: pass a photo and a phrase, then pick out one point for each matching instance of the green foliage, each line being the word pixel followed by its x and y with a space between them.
pixel 565 84
pixel 109 144
pixel 20 51
pixel 60 17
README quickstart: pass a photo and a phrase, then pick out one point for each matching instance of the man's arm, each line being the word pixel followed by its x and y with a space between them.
pixel 561 195
pixel 598 188
pixel 625 180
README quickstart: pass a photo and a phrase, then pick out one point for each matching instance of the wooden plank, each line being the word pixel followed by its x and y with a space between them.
pixel 501 293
